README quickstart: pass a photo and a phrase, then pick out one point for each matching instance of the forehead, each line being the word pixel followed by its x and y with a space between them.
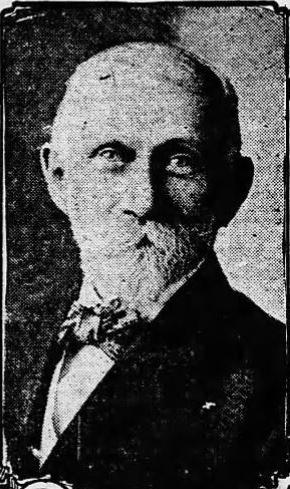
pixel 134 93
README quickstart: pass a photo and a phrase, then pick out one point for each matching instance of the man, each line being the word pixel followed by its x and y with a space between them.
pixel 162 375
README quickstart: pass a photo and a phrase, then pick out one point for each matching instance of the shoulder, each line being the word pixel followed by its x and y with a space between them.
pixel 262 336
pixel 258 326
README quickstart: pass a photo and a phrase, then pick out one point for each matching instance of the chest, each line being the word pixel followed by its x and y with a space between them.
pixel 164 407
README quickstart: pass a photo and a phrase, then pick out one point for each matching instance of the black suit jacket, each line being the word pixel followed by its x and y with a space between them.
pixel 197 404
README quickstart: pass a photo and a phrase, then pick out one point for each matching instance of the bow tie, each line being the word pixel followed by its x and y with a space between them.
pixel 107 325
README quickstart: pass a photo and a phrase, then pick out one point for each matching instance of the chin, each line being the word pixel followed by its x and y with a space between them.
pixel 141 273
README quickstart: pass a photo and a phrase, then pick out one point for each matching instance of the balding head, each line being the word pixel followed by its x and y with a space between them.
pixel 146 138
pixel 149 66
pixel 147 63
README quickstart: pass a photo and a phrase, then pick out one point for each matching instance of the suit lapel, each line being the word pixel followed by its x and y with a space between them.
pixel 191 339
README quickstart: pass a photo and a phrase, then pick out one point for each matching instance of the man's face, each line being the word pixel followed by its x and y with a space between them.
pixel 136 174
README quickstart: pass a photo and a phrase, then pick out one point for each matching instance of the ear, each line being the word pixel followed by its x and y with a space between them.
pixel 233 189
pixel 54 177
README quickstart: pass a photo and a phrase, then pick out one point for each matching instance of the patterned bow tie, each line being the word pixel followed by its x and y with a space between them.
pixel 106 324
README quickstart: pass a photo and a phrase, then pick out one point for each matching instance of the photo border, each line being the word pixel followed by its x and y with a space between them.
pixel 7 478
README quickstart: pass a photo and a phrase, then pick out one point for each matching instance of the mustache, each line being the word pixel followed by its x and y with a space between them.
pixel 144 242
pixel 152 235
pixel 122 237
pixel 160 236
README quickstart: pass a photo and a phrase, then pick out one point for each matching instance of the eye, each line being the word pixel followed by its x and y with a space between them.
pixel 109 154
pixel 108 158
pixel 180 165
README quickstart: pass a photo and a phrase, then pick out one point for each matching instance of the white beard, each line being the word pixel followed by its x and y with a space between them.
pixel 117 264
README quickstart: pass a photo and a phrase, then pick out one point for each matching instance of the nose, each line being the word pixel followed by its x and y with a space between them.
pixel 139 196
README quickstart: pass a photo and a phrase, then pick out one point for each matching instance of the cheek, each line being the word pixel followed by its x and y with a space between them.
pixel 94 195
pixel 188 196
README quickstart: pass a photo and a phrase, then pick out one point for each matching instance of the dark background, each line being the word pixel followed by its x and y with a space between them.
pixel 42 45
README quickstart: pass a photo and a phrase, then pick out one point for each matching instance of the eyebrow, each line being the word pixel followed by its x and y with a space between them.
pixel 124 150
pixel 179 143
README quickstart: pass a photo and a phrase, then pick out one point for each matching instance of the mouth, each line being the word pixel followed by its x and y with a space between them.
pixel 144 243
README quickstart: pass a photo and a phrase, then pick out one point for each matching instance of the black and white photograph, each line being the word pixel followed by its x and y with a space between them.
pixel 145 214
